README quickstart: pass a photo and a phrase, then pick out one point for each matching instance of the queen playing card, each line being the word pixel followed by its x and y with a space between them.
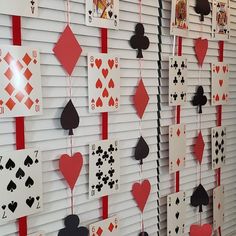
pixel 20 184
pixel 218 207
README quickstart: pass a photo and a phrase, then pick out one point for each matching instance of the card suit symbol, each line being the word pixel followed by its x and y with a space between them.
pixel 177 201
pixel 203 230
pixel 178 162
pixel 139 41
pixel 201 46
pixel 68 50
pixel 35 61
pixel 27 74
pixel 225 69
pixel 26 59
pixel 70 168
pixel 99 231
pixel 28 88
pixel 200 197
pixel 4 207
pixel 203 8
pixel 9 89
pixel 20 174
pixel 1 167
pixel 90 12
pixel 28 161
pixel 217 98
pixel 111 102
pixel 30 201
pixel 143 234
pixel 29 103
pixel 99 84
pixel 223 97
pixel 141 193
pixel 19 96
pixel 29 182
pixel 38 198
pixel 177 229
pixel 105 73
pixel 9 74
pixel 8 58
pixel 69 117
pixel 177 215
pixel 11 186
pixel 12 206
pixel 36 100
pixel 219 206
pixel 111 84
pixel 217 69
pixel 199 147
pixel 141 150
pixel 178 132
pixel 99 102
pixel 10 164
pixel 111 63
pixel 111 227
pixel 110 13
pixel 10 104
pixel 105 93
pixel 98 63
pixel 199 99
pixel 221 81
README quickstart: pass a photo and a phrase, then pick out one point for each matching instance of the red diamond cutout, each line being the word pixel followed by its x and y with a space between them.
pixel 68 50
pixel 199 147
pixel 8 58
pixel 99 231
pixel 27 74
pixel 10 89
pixel 141 99
pixel 178 162
pixel 111 227
pixel 27 59
pixel 19 96
pixel 8 73
pixel 29 103
pixel 28 88
pixel 10 103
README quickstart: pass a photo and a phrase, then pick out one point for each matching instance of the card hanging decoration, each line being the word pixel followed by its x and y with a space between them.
pixel 202 8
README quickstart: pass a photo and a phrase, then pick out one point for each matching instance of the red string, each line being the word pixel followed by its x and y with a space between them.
pixel 177 181
pixel 180 46
pixel 221 51
pixel 219 115
pixel 178 109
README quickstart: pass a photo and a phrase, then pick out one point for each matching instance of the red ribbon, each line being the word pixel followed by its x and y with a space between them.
pixel 178 108
pixel 221 51
pixel 180 46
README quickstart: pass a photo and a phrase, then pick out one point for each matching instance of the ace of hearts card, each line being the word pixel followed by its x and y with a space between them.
pixel 177 80
pixel 102 13
pixel 220 83
pixel 20 82
pixel 176 206
pixel 108 227
pixel 20 184
pixel 103 82
pixel 104 168
pixel 218 207
pixel 177 147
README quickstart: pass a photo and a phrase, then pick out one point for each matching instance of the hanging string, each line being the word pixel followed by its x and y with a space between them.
pixel 68 12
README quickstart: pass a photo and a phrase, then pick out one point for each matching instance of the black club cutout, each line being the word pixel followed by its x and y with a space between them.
pixel 199 99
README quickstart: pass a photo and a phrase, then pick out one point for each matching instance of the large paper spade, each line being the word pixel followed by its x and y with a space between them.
pixel 200 197
pixel 71 167
pixel 201 230
pixel 141 193
pixel 203 8
pixel 201 46
pixel 72 227
pixel 141 150
pixel 69 118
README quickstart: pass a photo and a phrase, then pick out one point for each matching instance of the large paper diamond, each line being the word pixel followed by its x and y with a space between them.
pixel 141 99
pixel 199 147
pixel 68 50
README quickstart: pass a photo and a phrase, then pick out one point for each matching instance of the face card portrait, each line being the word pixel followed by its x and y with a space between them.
pixel 221 19
pixel 220 83
pixel 104 168
pixel 177 80
pixel 102 13
pixel 21 184
pixel 176 206
pixel 20 82
pixel 103 82
pixel 177 147
pixel 179 18
pixel 218 207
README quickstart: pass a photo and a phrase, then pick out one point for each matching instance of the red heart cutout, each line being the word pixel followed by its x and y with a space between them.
pixel 201 46
pixel 221 81
pixel 70 167
pixel 105 72
pixel 99 102
pixel 98 63
pixel 111 63
pixel 203 230
pixel 141 193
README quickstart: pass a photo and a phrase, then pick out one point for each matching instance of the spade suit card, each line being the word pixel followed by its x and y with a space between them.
pixel 40 233
pixel 27 8
pixel 176 206
pixel 20 184
pixel 179 18
pixel 103 82
pixel 221 19
pixel 177 147
pixel 104 168
pixel 218 207
pixel 177 80
pixel 218 146
pixel 220 83
pixel 102 13
pixel 108 227
pixel 20 82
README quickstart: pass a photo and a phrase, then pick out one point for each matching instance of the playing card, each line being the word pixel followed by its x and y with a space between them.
pixel 176 214
pixel 102 13
pixel 19 8
pixel 103 82
pixel 218 207
pixel 179 18
pixel 21 184
pixel 220 83
pixel 218 146
pixel 20 83
pixel 177 80
pixel 104 168
pixel 221 19
pixel 108 227
pixel 177 147
pixel 40 233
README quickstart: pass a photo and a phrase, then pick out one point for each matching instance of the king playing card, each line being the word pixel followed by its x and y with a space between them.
pixel 218 207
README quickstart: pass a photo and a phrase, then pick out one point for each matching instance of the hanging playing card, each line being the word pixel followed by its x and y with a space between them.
pixel 176 206
pixel 27 8
pixel 177 147
pixel 102 13
pixel 177 80
pixel 220 83
pixel 179 18
pixel 103 82
pixel 104 168
pixel 218 207
pixel 20 83
pixel 108 227
pixel 40 233
pixel 20 184
pixel 221 19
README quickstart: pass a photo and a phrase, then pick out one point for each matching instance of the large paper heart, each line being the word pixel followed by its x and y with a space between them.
pixel 203 230
pixel 71 167
pixel 141 193
pixel 201 46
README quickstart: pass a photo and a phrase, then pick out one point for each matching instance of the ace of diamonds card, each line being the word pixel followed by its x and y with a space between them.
pixel 218 207
pixel 20 82
pixel 103 82
pixel 20 184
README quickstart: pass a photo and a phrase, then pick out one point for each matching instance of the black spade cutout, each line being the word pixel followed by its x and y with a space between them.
pixel 69 118
pixel 203 8
pixel 72 227
pixel 143 234
pixel 200 197
pixel 139 41
pixel 141 150
pixel 199 99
